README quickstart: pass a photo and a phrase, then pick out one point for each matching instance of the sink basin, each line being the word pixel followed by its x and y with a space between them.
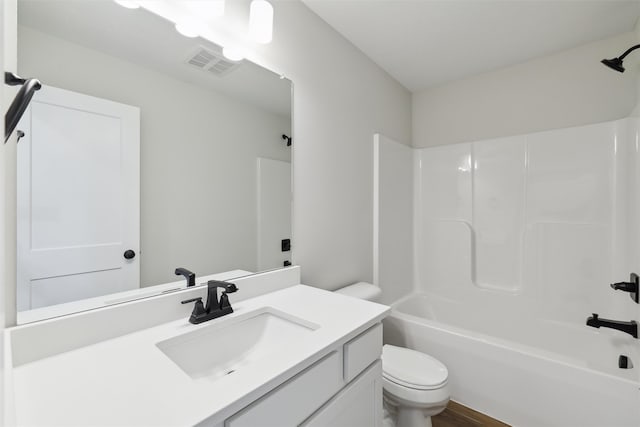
pixel 226 346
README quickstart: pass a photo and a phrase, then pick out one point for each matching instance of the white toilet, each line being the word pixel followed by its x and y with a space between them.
pixel 415 384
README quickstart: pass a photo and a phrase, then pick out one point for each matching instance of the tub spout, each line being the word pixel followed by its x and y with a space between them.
pixel 630 328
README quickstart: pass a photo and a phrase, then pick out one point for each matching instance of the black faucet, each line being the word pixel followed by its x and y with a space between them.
pixel 213 308
pixel 630 328
pixel 190 276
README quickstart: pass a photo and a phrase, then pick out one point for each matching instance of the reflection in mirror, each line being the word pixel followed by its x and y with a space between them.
pixel 145 151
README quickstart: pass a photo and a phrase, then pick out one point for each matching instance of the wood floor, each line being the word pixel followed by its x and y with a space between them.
pixel 457 415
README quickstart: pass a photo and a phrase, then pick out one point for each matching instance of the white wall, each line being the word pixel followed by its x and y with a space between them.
pixel 393 218
pixel 341 98
pixel 634 58
pixel 7 196
pixel 634 212
pixel 3 278
pixel 566 89
pixel 198 156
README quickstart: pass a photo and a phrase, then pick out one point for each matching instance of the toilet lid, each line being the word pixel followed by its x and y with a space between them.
pixel 412 368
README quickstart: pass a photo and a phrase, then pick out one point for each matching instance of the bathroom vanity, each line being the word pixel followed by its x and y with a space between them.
pixel 294 356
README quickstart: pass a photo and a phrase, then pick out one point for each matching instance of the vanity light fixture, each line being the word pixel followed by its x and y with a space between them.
pixel 192 19
pixel 129 4
pixel 232 53
pixel 208 8
pixel 261 21
pixel 186 29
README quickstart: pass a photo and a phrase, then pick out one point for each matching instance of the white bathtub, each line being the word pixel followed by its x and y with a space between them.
pixel 528 371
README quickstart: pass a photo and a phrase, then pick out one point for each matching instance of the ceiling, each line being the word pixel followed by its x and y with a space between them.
pixel 424 43
pixel 104 26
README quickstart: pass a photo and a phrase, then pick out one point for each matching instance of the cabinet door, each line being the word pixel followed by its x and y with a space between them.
pixel 293 401
pixel 359 404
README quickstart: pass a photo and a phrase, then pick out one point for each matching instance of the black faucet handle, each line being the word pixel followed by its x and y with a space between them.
pixel 224 301
pixel 625 286
pixel 198 309
pixel 632 286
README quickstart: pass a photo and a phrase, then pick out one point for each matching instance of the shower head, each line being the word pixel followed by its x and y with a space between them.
pixel 616 63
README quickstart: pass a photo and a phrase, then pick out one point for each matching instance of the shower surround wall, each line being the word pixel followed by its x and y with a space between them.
pixel 546 219
pixel 516 241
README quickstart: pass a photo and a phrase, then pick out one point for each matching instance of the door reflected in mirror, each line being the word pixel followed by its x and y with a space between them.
pixel 144 151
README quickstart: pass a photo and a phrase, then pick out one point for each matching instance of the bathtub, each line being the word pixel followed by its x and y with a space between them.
pixel 533 373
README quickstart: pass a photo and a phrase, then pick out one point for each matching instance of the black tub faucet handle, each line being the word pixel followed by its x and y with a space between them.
pixel 632 286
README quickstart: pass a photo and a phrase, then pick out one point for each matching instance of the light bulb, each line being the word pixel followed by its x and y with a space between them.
pixel 261 21
pixel 129 4
pixel 186 29
pixel 205 9
pixel 233 53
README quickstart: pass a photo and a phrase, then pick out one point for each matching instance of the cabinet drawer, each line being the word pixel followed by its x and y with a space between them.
pixel 290 403
pixel 361 351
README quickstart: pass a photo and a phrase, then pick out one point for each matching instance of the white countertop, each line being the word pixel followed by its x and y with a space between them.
pixel 129 381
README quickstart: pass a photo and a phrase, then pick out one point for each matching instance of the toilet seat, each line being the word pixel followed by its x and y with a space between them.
pixel 413 386
pixel 412 369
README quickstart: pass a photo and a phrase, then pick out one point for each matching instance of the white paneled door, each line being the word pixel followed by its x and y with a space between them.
pixel 78 199
pixel 274 212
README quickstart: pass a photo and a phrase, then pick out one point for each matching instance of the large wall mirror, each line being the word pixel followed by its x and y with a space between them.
pixel 144 151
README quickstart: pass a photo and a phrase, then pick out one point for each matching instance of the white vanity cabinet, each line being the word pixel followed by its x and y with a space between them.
pixel 298 356
pixel 344 388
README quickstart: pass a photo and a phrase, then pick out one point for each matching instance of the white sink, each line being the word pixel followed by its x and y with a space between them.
pixel 226 346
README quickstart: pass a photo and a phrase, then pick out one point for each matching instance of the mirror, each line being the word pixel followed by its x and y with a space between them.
pixel 145 151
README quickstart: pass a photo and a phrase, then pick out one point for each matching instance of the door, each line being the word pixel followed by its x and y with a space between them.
pixel 274 212
pixel 78 199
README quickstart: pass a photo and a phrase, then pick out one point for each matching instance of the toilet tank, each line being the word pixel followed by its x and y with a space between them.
pixel 362 290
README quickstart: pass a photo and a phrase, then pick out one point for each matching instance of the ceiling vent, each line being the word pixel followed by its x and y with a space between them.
pixel 212 62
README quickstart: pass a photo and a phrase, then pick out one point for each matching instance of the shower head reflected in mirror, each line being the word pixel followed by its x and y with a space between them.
pixel 616 63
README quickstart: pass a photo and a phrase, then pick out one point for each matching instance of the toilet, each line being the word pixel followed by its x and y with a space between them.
pixel 415 385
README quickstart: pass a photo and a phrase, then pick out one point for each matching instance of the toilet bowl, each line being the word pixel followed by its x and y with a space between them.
pixel 415 385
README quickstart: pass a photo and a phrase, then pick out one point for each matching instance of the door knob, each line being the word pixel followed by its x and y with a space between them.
pixel 129 254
